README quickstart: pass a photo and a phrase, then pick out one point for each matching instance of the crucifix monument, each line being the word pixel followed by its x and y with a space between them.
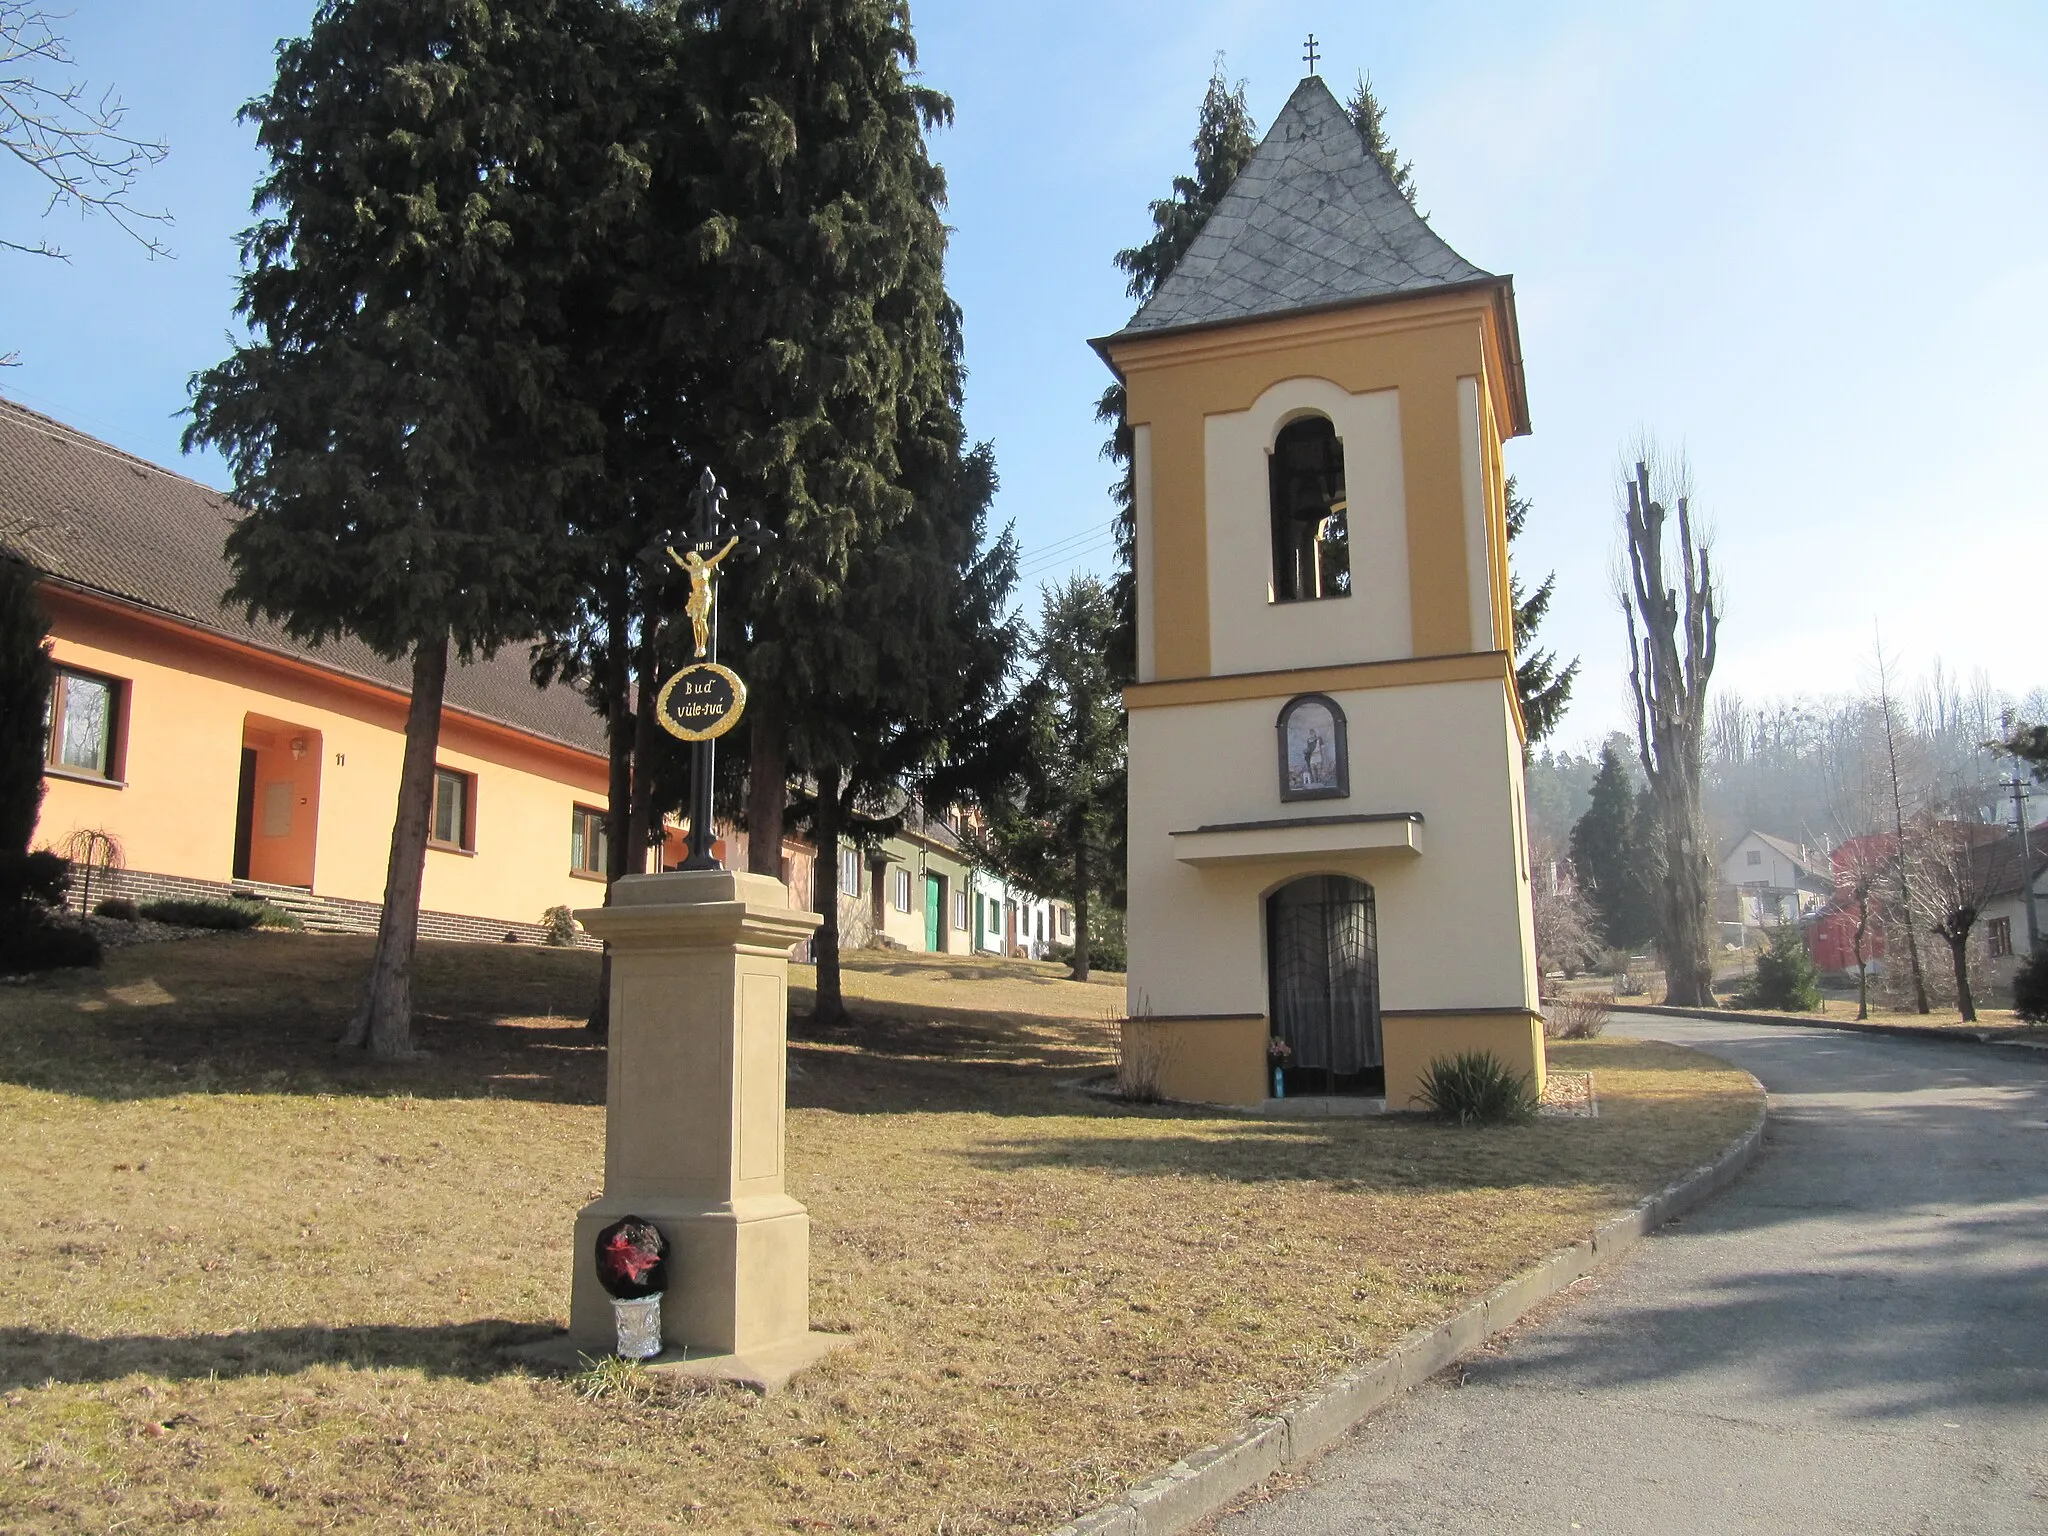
pixel 698 1058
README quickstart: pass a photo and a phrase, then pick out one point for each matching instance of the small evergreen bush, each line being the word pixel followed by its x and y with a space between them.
pixel 227 915
pixel 1786 977
pixel 118 907
pixel 1477 1088
pixel 560 923
pixel 2030 988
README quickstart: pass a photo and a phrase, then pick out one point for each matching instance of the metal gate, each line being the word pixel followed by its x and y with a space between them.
pixel 1322 939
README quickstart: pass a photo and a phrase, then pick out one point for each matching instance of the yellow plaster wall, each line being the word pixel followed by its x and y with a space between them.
pixel 1422 349
pixel 1373 623
pixel 1414 1041
pixel 1454 926
pixel 186 704
pixel 1203 1061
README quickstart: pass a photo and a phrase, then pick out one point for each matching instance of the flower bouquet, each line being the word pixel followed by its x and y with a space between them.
pixel 632 1266
pixel 1278 1053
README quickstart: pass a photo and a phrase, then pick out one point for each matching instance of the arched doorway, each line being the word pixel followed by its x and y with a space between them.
pixel 1323 980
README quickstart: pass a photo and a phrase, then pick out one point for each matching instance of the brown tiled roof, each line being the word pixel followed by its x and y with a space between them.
pixel 87 514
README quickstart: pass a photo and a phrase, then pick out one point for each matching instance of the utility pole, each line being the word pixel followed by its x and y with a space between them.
pixel 2018 785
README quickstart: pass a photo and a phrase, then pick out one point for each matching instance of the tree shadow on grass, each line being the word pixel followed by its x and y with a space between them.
pixel 474 1351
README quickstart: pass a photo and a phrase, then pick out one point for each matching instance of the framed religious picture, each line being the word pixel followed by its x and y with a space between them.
pixel 1315 758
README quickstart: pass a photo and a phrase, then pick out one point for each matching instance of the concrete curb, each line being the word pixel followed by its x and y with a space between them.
pixel 1197 1487
pixel 1957 1036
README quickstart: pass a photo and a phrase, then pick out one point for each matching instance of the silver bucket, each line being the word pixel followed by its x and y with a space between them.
pixel 639 1326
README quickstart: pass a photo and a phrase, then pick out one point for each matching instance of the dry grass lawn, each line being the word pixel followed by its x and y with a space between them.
pixel 249 1287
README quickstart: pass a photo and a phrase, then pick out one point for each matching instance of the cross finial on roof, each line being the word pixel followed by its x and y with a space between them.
pixel 1310 53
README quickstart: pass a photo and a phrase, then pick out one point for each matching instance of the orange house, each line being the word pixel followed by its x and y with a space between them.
pixel 223 755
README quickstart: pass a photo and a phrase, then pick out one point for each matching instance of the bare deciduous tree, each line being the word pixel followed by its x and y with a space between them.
pixel 74 142
pixel 1957 865
pixel 1888 712
pixel 1672 631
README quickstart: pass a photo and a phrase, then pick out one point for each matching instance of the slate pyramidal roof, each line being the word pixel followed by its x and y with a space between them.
pixel 1312 223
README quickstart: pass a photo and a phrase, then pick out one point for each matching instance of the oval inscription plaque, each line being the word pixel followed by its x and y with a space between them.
pixel 701 702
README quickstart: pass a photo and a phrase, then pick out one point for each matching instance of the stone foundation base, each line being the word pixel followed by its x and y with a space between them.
pixel 1223 1060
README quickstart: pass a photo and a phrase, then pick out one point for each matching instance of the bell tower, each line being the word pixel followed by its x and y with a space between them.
pixel 1328 858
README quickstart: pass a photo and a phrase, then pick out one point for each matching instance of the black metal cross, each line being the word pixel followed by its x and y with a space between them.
pixel 709 532
pixel 1310 53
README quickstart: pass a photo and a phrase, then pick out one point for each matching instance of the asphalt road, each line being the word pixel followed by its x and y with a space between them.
pixel 1854 1337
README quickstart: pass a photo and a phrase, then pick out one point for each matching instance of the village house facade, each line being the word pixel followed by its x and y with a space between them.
pixel 220 755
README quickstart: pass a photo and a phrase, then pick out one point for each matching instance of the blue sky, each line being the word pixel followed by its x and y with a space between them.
pixel 1805 242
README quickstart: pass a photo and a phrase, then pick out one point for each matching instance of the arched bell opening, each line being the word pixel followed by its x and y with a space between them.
pixel 1323 986
pixel 1310 512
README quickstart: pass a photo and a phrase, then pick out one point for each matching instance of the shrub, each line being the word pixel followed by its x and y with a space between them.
pixel 31 941
pixel 119 907
pixel 1141 1065
pixel 1102 956
pixel 2030 988
pixel 1577 1015
pixel 233 915
pixel 41 878
pixel 1477 1088
pixel 560 923
pixel 1785 976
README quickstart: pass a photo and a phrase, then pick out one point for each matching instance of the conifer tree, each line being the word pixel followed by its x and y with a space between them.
pixel 399 426
pixel 24 700
pixel 821 235
pixel 1225 137
pixel 1371 120
pixel 917 712
pixel 1060 836
pixel 1543 687
pixel 1606 853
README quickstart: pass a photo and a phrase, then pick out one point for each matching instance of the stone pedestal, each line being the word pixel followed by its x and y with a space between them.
pixel 694 1122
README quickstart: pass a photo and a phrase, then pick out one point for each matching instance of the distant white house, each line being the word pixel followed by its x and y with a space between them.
pixel 1775 881
pixel 2002 921
pixel 1009 920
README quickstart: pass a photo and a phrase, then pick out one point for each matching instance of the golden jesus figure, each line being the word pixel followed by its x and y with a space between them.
pixel 699 605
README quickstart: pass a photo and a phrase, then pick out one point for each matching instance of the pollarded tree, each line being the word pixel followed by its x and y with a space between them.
pixel 398 424
pixel 1674 622
pixel 1225 137
pixel 1059 835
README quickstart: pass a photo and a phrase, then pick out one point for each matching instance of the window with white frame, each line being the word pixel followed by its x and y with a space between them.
pixel 1066 922
pixel 79 736
pixel 849 871
pixel 960 910
pixel 454 820
pixel 1998 931
pixel 587 848
pixel 900 889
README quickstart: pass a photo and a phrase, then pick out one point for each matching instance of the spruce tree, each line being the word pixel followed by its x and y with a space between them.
pixel 400 426
pixel 820 229
pixel 918 711
pixel 1544 688
pixel 1607 855
pixel 1371 120
pixel 1060 835
pixel 1225 137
